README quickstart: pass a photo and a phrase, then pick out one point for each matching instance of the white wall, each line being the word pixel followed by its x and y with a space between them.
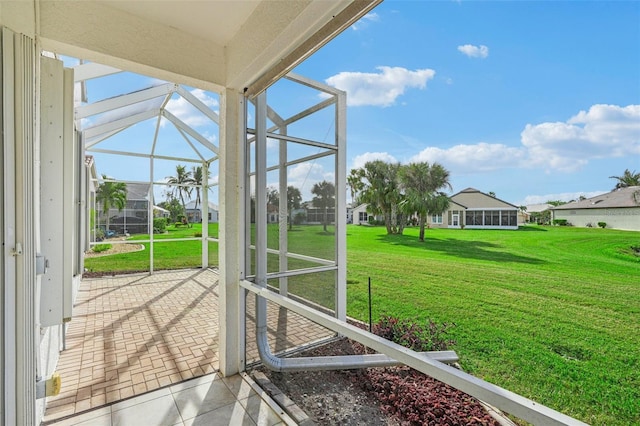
pixel 625 218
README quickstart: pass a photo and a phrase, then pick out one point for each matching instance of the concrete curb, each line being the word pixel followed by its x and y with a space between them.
pixel 290 407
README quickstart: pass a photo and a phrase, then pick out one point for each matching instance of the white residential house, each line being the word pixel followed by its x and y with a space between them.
pixel 618 209
pixel 195 214
pixel 360 215
pixel 474 209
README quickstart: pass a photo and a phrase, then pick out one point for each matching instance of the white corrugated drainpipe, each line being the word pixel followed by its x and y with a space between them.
pixel 343 362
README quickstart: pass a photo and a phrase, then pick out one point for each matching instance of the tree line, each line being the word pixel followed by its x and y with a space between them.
pixel 398 192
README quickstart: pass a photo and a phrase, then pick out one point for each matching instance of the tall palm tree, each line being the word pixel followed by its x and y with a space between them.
pixel 199 181
pixel 177 183
pixel 628 178
pixel 325 197
pixel 111 194
pixel 421 182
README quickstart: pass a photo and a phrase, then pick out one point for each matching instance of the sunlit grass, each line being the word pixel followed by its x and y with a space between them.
pixel 550 313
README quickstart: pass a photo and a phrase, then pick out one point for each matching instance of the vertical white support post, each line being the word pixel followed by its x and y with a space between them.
pixel 231 231
pixel 150 214
pixel 261 205
pixel 341 206
pixel 283 208
pixel 205 214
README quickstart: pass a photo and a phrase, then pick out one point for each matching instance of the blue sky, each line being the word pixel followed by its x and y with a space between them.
pixel 534 101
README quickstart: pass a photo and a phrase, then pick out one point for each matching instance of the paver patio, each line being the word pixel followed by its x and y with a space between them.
pixel 132 334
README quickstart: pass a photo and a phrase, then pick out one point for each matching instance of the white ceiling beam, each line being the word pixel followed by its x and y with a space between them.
pixel 189 130
pixel 199 104
pixel 143 155
pixel 125 100
pixel 119 124
pixel 92 70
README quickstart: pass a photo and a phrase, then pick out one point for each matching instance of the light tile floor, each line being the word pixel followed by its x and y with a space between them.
pixel 133 334
pixel 208 400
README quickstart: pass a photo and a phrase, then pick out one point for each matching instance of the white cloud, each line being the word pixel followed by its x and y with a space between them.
pixel 304 175
pixel 563 196
pixel 604 131
pixel 360 160
pixel 365 21
pixel 382 88
pixel 472 51
pixel 481 157
pixel 186 112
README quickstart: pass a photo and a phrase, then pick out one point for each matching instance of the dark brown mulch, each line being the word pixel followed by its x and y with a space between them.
pixel 376 396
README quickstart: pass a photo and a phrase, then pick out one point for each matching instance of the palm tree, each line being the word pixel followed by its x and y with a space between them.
pixel 381 191
pixel 198 180
pixel 178 182
pixel 294 199
pixel 421 182
pixel 354 182
pixel 325 197
pixel 111 194
pixel 628 178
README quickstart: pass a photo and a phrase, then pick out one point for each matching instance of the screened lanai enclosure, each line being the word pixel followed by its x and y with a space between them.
pixel 219 66
pixel 293 145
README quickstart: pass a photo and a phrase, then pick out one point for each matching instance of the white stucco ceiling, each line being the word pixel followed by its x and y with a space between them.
pixel 208 44
pixel 200 21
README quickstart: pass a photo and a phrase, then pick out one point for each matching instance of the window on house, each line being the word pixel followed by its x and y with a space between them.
pixel 363 217
pixel 436 219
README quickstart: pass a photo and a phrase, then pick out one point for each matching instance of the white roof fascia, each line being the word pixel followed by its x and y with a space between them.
pixel 124 100
pixel 316 24
pixel 119 124
pixel 198 104
pixel 92 70
pixel 182 125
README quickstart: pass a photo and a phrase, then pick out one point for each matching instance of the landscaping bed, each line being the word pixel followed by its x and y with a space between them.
pixel 376 396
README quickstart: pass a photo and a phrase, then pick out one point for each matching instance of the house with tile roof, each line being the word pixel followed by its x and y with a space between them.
pixel 474 209
pixel 619 209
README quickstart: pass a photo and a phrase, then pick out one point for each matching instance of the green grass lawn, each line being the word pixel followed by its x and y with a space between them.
pixel 548 312
pixel 552 313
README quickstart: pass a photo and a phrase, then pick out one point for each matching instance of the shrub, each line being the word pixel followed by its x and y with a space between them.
pixel 602 224
pixel 159 224
pixel 98 248
pixel 99 234
pixel 413 336
pixel 197 234
pixel 560 222
pixel 299 218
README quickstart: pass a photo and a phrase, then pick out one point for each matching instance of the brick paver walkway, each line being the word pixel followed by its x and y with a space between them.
pixel 135 333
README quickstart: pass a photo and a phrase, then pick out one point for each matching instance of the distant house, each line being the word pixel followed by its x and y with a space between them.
pixel 134 218
pixel 619 209
pixel 195 215
pixel 360 215
pixel 539 213
pixel 469 208
pixel 474 209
